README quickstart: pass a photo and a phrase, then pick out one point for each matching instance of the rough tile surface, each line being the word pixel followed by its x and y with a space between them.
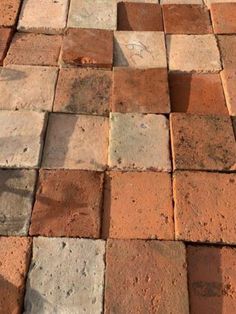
pixel 205 206
pixel 27 87
pixel 202 142
pixel 181 1
pixel 36 16
pixel 16 200
pixel 139 49
pixel 139 141
pixel 138 205
pixel 80 144
pixel 139 17
pixel 34 49
pixel 77 268
pixel 88 47
pixel 5 38
pixel 227 44
pixel 9 12
pixel 21 135
pixel 84 91
pixel 193 53
pixel 93 14
pixel 223 18
pixel 197 93
pixel 140 90
pixel 212 279
pixel 228 77
pixel 141 277
pixel 68 203
pixel 15 257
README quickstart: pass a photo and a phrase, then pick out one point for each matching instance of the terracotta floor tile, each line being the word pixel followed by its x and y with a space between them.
pixel 34 49
pixel 227 46
pixel 138 205
pixel 143 276
pixel 139 17
pixel 228 77
pixel 197 93
pixel 186 19
pixel 223 18
pixel 182 1
pixel 5 39
pixel 212 279
pixel 9 10
pixel 140 90
pixel 202 142
pixel 68 203
pixel 84 91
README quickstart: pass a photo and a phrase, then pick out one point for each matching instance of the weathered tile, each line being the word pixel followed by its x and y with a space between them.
pixel 227 46
pixel 72 209
pixel 202 142
pixel 66 276
pixel 16 200
pixel 146 276
pixel 138 205
pixel 93 14
pixel 140 90
pixel 205 206
pixel 193 53
pixel 88 47
pixel 8 12
pixel 5 38
pixel 21 135
pixel 27 87
pixel 84 91
pixel 197 93
pixel 228 77
pixel 76 142
pixel 139 49
pixel 223 18
pixel 181 1
pixel 15 257
pixel 209 2
pixel 139 141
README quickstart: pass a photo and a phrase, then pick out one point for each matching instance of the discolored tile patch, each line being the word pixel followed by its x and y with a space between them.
pixel 5 38
pixel 223 18
pixel 181 2
pixel 228 77
pixel 8 12
pixel 227 44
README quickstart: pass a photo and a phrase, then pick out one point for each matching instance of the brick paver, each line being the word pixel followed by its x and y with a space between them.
pixel 227 44
pixel 228 77
pixel 223 18
pixel 5 38
pixel 9 10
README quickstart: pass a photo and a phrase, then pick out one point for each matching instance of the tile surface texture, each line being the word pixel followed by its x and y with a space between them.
pixel 228 77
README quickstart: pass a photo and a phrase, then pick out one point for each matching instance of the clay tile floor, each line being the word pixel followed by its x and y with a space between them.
pixel 117 157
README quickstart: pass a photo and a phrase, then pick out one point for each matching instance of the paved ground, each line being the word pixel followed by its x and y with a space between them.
pixel 117 157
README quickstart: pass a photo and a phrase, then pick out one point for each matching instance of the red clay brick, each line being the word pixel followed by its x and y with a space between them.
pixel 34 49
pixel 197 93
pixel 205 206
pixel 146 277
pixel 223 18
pixel 67 204
pixel 138 205
pixel 212 279
pixel 140 90
pixel 5 38
pixel 84 91
pixel 8 12
pixel 15 257
pixel 186 19
pixel 202 142
pixel 139 17
pixel 88 47
pixel 227 44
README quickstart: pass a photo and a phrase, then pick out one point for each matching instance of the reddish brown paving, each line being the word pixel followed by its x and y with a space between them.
pixel 9 10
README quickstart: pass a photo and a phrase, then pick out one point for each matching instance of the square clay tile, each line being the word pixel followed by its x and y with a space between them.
pixel 93 14
pixel 223 18
pixel 209 2
pixel 9 10
pixel 211 278
pixel 182 1
pixel 46 16
pixel 138 205
pixel 186 19
pixel 139 17
pixel 140 90
pixel 76 142
pixel 34 49
pixel 15 253
pixel 21 137
pixel 88 47
pixel 197 93
pixel 193 53
pixel 205 206
pixel 202 142
pixel 68 204
pixel 84 91
pixel 146 277
pixel 227 46
pixel 139 142
pixel 27 87
pixel 5 38
pixel 228 77
pixel 140 49
pixel 16 200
